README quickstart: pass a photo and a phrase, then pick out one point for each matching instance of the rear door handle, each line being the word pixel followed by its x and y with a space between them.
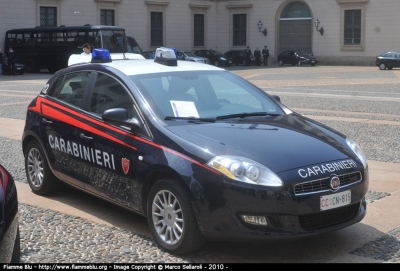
pixel 46 121
pixel 82 135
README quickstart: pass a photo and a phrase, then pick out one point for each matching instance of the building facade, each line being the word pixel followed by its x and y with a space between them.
pixel 351 32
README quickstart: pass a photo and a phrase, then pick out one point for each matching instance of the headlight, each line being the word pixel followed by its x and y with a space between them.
pixel 245 170
pixel 223 58
pixel 357 150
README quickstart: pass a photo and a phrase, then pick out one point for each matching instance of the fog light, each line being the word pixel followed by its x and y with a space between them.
pixel 254 220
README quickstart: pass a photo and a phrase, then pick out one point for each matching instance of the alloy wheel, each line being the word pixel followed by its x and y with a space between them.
pixel 35 167
pixel 167 217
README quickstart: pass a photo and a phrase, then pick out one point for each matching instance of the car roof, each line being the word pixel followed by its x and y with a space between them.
pixel 148 66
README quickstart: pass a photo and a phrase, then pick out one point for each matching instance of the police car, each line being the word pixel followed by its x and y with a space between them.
pixel 199 151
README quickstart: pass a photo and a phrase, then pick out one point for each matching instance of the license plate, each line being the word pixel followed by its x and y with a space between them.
pixel 312 61
pixel 18 68
pixel 335 200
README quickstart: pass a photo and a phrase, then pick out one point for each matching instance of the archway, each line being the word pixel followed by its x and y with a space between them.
pixel 295 26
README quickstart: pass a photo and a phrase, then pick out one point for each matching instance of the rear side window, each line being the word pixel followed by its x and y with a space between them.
pixel 70 88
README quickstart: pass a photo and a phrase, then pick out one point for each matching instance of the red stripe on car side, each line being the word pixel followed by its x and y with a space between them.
pixel 54 113
pixel 4 182
pixel 96 131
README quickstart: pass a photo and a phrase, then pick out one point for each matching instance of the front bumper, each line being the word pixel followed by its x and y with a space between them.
pixel 288 215
pixel 309 61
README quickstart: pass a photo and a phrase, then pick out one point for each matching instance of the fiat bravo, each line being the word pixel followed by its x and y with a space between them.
pixel 202 153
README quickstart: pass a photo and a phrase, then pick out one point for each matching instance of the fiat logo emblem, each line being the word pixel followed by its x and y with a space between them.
pixel 335 182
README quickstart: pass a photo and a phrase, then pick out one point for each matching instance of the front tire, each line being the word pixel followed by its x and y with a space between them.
pixel 216 63
pixel 300 63
pixel 171 218
pixel 38 173
pixel 382 66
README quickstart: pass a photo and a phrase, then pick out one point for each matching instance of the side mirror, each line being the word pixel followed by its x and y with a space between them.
pixel 276 97
pixel 119 116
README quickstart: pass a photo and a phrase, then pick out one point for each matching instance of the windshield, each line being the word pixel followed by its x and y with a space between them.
pixel 114 41
pixel 217 53
pixel 202 94
pixel 190 54
pixel 304 52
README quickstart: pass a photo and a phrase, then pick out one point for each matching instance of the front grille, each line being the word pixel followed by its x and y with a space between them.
pixel 322 185
pixel 328 218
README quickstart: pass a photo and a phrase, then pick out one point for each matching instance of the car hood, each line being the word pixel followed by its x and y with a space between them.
pixel 281 143
pixel 307 56
pixel 196 58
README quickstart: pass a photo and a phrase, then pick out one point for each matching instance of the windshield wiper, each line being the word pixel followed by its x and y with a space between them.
pixel 244 114
pixel 189 119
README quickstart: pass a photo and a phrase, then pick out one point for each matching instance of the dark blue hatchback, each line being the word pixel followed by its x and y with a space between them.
pixel 199 151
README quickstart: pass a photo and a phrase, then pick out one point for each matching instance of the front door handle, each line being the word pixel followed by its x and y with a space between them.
pixel 82 135
pixel 46 121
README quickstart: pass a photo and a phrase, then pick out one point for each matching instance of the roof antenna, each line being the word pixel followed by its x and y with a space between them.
pixel 123 51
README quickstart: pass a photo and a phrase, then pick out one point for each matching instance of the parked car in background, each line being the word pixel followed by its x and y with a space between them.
pixel 297 57
pixel 19 68
pixel 216 58
pixel 388 60
pixel 189 56
pixel 239 57
pixel 9 227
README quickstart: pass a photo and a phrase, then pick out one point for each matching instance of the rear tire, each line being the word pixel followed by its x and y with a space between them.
pixel 280 63
pixel 300 64
pixel 216 63
pixel 38 173
pixel 171 218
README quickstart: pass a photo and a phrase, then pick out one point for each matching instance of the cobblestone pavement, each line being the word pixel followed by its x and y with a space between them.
pixel 361 102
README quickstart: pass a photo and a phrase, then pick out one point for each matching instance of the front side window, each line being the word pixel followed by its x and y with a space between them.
pixel 156 31
pixel 48 16
pixel 352 27
pixel 70 89
pixel 198 30
pixel 207 93
pixel 239 29
pixel 109 93
pixel 107 17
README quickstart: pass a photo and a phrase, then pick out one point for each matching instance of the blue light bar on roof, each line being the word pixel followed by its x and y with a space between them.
pixel 101 56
